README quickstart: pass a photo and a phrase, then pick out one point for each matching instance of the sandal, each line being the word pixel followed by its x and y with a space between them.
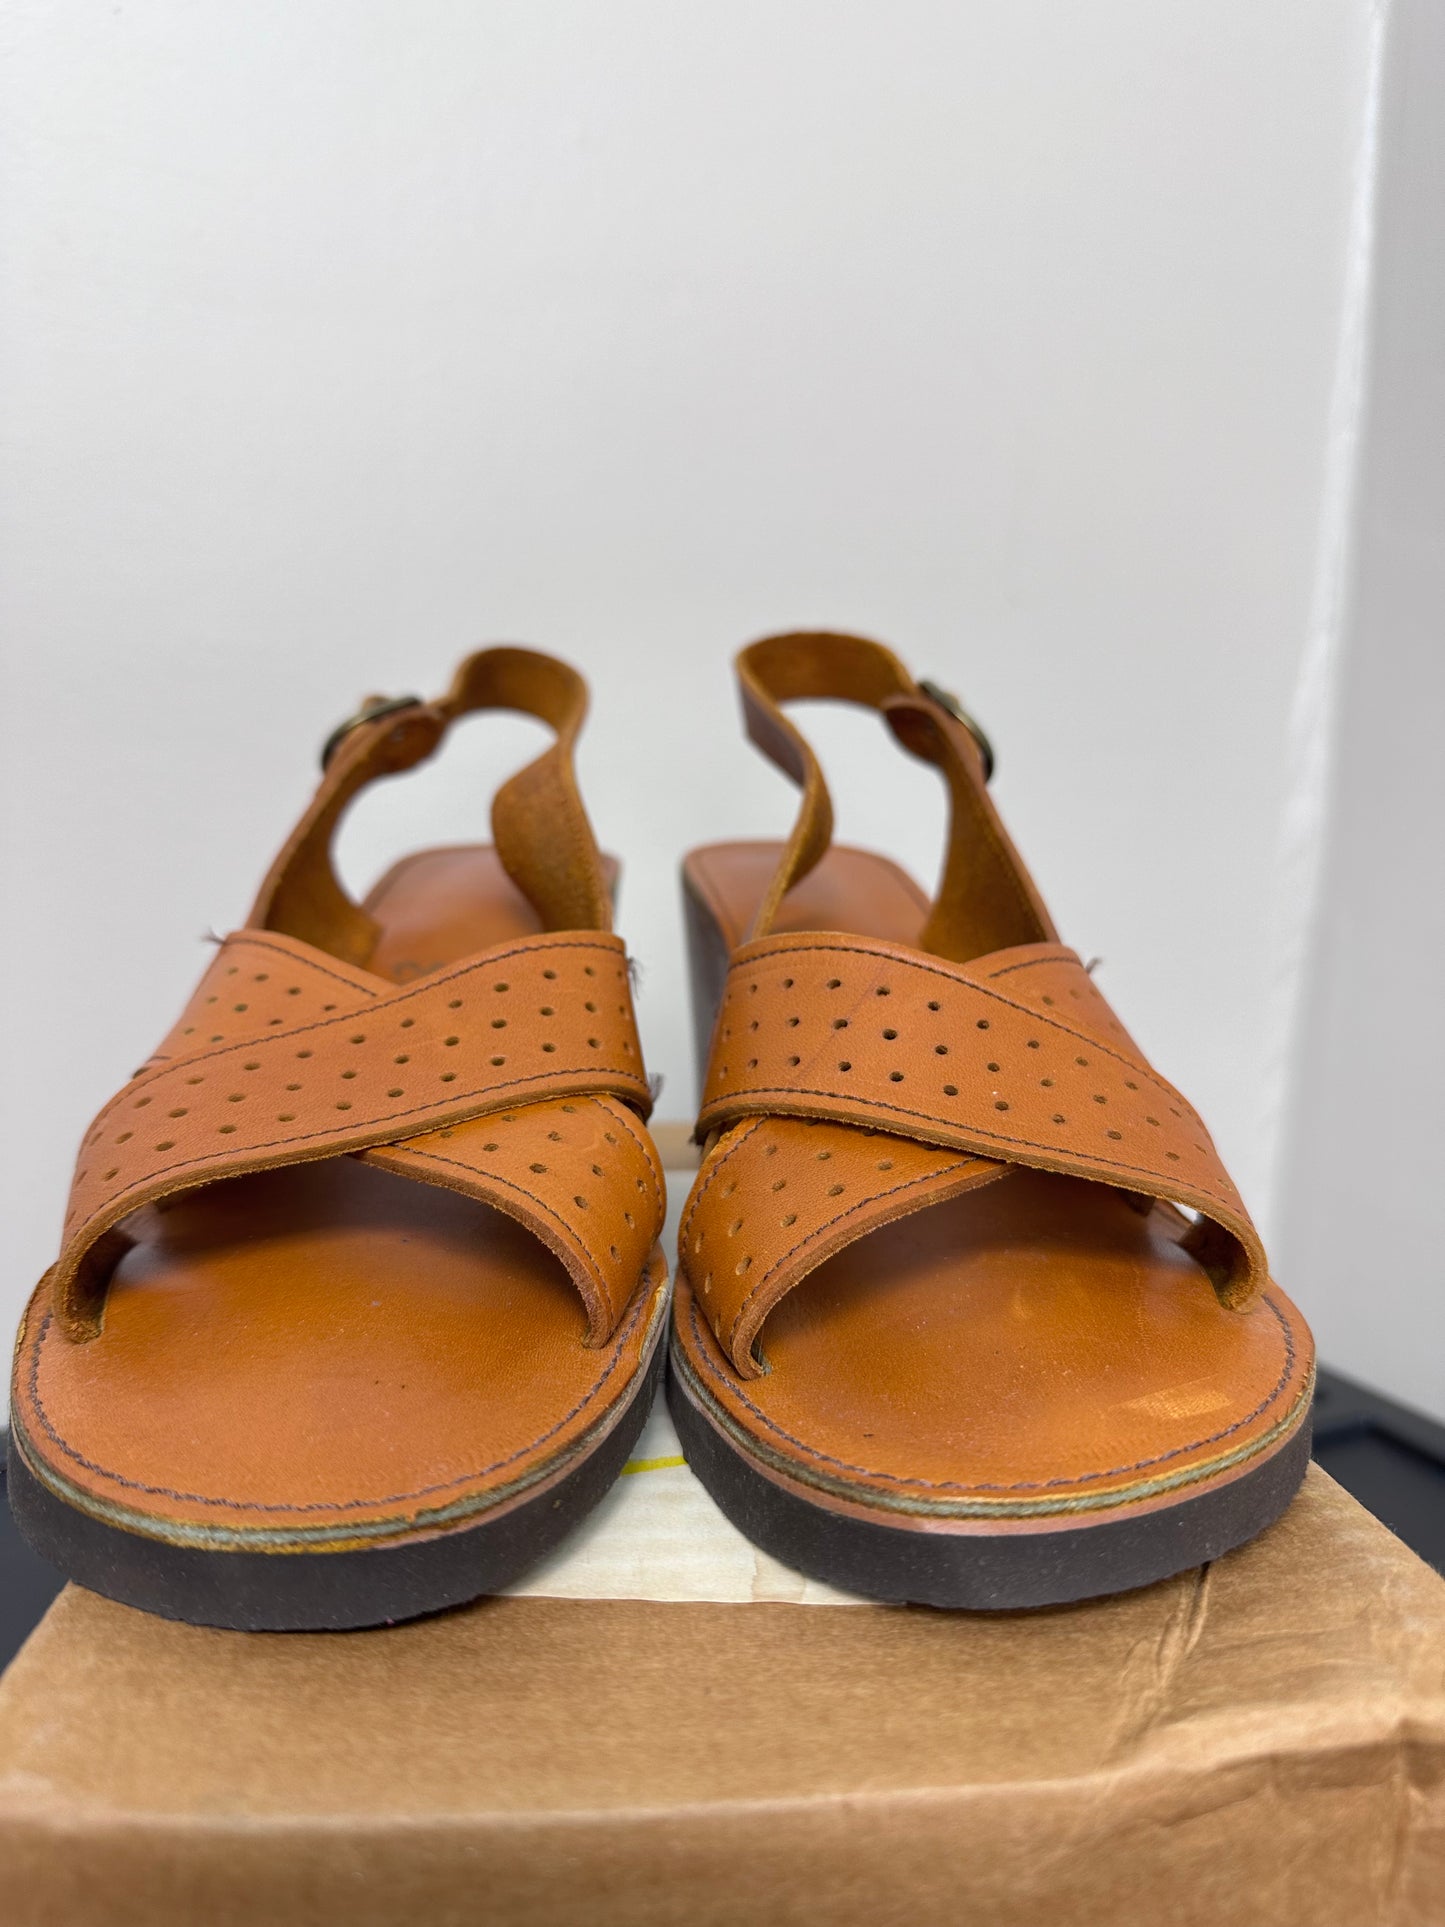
pixel 313 1353
pixel 1036 1354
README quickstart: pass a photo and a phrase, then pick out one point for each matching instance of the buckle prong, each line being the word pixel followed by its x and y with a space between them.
pixel 371 711
pixel 948 702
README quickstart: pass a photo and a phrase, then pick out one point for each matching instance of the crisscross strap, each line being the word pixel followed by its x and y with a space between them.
pixel 292 1050
pixel 985 899
pixel 1014 1058
pixel 284 1055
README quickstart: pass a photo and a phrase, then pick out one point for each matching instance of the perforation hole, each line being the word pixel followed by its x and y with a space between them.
pixel 581 1202
pixel 793 1023
pixel 285 1117
pixel 789 1220
pixel 1000 1104
pixel 348 1073
pixel 225 1129
pixel 1099 1098
pixel 500 987
pixel 780 1184
pixel 890 1035
pixel 395 1091
pixel 549 974
pixel 835 1190
pixel 195 1080
pixel 1152 1120
pixel 141 1103
pixel 1083 1061
pixel 835 983
pixel 547 1011
pixel 294 991
pixel 491 1147
pixel 1116 1134
pixel 615 1254
pixel 823 1156
pixel 1048 1000
pixel 401 1058
pixel 455 1004
pixel 787 983
pixel 344 1104
pixel 795 1061
pixel 1032 1044
pixel 497 1063
pixel 1173 1156
pixel 982 1023
pixel 451 1042
pixel 629 1220
pixel 236 1097
pixel 895 1077
pixel 449 1077
pixel 407 1022
pixel 166 1144
pixel 950 1090
pixel 359 1038
pixel 594 1043
pixel 549 1047
pixel 179 1111
pixel 1059 1118
pixel 993 1067
pixel 844 1065
pixel 1130 1085
pixel 840 1023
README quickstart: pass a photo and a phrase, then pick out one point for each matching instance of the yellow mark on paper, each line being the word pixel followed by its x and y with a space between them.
pixel 652 1465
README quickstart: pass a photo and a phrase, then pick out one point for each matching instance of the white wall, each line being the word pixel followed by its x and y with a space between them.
pixel 1359 1210
pixel 338 336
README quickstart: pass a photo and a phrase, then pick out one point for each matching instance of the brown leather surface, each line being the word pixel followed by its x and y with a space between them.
pixel 285 1345
pixel 933 1255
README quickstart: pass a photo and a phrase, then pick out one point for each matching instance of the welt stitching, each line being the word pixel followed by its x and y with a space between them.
pixel 701 1189
pixel 818 1231
pixel 742 964
pixel 403 1121
pixel 424 987
pixel 1023 1485
pixel 320 1505
pixel 1084 1158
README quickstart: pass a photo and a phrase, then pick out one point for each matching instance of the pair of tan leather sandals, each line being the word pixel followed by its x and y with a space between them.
pixel 361 1300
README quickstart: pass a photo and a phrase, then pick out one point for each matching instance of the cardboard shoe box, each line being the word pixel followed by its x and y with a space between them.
pixel 1261 1741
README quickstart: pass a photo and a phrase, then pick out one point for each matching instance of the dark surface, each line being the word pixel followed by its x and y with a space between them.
pixel 1391 1459
pixel 980 1572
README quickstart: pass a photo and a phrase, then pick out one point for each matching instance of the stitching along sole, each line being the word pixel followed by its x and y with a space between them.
pixel 325 1591
pixel 974 1569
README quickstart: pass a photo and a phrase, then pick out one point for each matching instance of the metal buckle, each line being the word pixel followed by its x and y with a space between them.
pixel 371 711
pixel 949 702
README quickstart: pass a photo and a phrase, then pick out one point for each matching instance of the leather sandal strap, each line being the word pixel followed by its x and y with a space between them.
pixel 539 825
pixel 542 1017
pixel 1014 1057
pixel 985 899
pixel 779 1195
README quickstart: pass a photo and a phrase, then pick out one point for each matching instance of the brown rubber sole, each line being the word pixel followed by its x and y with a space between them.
pixel 978 1571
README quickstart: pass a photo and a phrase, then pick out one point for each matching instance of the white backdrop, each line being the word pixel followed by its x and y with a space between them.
pixel 339 336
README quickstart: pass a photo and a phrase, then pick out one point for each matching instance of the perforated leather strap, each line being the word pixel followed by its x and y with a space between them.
pixel 540 828
pixel 1014 1057
pixel 367 1064
pixel 985 898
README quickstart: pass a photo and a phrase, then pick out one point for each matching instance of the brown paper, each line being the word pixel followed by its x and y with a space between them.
pixel 1261 1741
